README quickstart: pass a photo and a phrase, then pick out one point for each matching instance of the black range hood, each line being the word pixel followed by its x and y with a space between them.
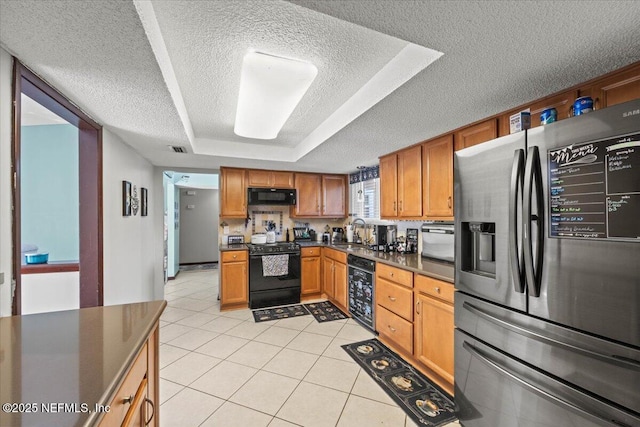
pixel 271 196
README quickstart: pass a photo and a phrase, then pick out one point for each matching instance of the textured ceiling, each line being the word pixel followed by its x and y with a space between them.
pixel 176 86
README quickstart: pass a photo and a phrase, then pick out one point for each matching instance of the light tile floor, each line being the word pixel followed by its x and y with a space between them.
pixel 221 369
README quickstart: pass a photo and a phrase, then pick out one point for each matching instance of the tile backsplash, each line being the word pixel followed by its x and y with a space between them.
pixel 260 217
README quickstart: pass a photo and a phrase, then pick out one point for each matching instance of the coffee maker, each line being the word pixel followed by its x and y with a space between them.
pixel 384 237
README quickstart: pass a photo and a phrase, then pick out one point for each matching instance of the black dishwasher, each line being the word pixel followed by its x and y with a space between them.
pixel 362 290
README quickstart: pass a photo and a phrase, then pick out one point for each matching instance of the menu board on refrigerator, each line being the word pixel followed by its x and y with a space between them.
pixel 594 189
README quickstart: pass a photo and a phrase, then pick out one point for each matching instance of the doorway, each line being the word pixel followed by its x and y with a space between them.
pixel 192 220
pixel 57 200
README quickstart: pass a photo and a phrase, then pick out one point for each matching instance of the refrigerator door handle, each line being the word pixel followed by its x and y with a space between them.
pixel 515 249
pixel 533 388
pixel 533 181
pixel 620 361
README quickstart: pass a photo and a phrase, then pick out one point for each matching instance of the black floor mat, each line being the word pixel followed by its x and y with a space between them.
pixel 325 311
pixel 424 402
pixel 277 313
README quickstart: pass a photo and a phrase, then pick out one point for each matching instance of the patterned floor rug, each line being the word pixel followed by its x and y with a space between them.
pixel 423 401
pixel 325 311
pixel 276 313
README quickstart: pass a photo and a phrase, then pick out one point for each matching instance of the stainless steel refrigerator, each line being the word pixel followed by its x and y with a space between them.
pixel 548 272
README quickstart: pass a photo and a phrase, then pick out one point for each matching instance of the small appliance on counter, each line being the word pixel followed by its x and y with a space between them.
pixel 259 239
pixel 235 239
pixel 412 241
pixel 438 241
pixel 384 239
pixel 337 235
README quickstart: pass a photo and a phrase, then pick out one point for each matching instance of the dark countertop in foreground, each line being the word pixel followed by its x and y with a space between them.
pixel 70 357
pixel 414 262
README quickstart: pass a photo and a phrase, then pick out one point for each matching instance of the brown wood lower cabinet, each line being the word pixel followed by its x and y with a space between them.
pixel 433 326
pixel 138 399
pixel 414 316
pixel 234 279
pixel 334 276
pixel 433 330
pixel 395 328
pixel 310 280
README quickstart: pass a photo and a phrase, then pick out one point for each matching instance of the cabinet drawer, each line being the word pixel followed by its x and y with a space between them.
pixel 395 328
pixel 230 256
pixel 397 299
pixel 336 255
pixel 435 288
pixel 124 398
pixel 313 251
pixel 393 274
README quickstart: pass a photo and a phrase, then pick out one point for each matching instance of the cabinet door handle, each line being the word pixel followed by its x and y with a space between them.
pixel 391 328
pixel 153 410
pixel 394 205
pixel 391 274
pixel 417 307
pixel 391 298
pixel 235 256
pixel 449 202
pixel 127 399
pixel 437 289
pixel 400 205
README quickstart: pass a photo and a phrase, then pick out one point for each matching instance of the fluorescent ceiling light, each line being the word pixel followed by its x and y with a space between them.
pixel 270 89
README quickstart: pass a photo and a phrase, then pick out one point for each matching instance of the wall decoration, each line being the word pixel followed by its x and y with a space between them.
pixel 126 198
pixel 135 202
pixel 143 201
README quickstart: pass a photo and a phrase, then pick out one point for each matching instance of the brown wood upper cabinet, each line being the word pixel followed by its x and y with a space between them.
pixel 270 179
pixel 616 89
pixel 437 163
pixel 233 193
pixel 476 134
pixel 401 184
pixel 320 196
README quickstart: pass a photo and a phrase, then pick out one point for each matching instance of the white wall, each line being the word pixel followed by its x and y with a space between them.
pixel 133 245
pixel 43 293
pixel 6 72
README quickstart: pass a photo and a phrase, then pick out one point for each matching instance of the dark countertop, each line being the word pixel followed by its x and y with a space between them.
pixel 413 262
pixel 234 247
pixel 70 357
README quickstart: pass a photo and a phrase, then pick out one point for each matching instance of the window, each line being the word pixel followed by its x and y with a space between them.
pixel 364 199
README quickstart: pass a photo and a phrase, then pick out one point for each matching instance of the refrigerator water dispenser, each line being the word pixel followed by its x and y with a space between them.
pixel 478 248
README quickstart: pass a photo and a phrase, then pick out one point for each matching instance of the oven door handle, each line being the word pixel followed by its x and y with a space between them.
pixel 277 253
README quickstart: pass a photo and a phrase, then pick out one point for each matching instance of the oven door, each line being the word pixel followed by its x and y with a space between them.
pixel 267 289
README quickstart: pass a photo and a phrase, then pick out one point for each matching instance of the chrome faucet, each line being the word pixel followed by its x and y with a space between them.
pixel 364 227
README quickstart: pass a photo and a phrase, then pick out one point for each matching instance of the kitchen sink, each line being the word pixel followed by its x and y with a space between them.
pixel 351 247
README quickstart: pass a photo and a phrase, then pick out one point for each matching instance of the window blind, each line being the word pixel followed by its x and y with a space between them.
pixel 365 199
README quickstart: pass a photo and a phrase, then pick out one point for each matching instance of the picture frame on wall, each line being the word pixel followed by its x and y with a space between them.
pixel 143 202
pixel 126 198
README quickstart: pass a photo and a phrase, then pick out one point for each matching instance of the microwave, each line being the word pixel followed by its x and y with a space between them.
pixel 271 196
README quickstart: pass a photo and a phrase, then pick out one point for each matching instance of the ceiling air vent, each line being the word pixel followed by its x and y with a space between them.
pixel 178 149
